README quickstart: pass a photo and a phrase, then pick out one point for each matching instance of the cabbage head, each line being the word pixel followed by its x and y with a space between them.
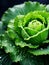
pixel 25 33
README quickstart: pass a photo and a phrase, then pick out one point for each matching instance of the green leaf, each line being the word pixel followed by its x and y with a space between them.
pixel 33 16
pixel 0 44
pixel 11 34
pixel 24 33
pixel 15 52
pixel 19 42
pixel 47 8
pixel 21 9
pixel 41 51
pixel 23 44
pixel 18 22
pixel 1 27
pixel 30 31
pixel 10 48
pixel 39 37
pixel 11 24
pixel 1 31
pixel 30 60
pixel 46 41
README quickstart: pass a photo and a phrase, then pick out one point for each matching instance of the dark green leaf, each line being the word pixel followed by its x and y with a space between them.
pixel 32 61
pixel 4 58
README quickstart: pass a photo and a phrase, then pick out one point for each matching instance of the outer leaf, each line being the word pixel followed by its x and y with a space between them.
pixel 47 7
pixel 1 34
pixel 11 49
pixel 11 13
pixel 23 44
pixel 47 41
pixel 16 53
pixel 1 27
pixel 40 51
pixel 4 58
pixel 32 61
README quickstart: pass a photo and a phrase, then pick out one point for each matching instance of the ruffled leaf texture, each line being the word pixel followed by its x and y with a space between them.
pixel 12 42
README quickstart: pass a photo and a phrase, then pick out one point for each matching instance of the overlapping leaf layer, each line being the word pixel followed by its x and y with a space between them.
pixel 25 31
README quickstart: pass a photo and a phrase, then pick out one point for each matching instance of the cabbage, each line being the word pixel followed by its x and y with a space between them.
pixel 25 33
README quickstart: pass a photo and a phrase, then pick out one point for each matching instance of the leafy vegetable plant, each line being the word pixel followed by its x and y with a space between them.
pixel 25 31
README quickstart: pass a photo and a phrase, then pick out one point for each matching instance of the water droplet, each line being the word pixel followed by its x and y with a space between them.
pixel 0 57
pixel 41 48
